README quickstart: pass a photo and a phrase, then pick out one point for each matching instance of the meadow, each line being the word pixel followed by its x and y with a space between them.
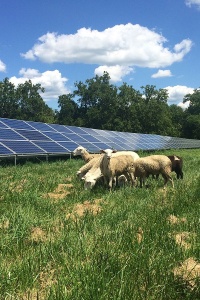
pixel 59 241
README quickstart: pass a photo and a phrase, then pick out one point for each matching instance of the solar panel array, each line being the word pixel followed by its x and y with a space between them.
pixel 19 137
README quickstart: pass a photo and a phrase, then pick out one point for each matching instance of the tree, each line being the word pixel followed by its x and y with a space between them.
pixel 194 105
pixel 177 117
pixel 97 101
pixel 9 104
pixel 68 110
pixel 32 106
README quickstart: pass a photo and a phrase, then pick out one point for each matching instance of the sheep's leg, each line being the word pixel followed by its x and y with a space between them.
pixel 166 179
pixel 141 181
pixel 110 183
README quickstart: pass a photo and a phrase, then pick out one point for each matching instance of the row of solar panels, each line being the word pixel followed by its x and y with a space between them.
pixel 19 137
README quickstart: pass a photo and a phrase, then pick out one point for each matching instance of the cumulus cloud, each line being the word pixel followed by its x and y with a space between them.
pixel 52 81
pixel 115 72
pixel 177 93
pixel 162 73
pixel 193 2
pixel 119 49
pixel 2 66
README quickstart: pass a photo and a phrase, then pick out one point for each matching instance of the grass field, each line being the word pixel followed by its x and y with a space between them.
pixel 58 241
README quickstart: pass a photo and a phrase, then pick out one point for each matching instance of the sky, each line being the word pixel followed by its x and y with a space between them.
pixel 141 42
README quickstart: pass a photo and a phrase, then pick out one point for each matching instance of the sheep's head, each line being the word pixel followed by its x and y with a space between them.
pixel 78 151
pixel 108 153
pixel 89 184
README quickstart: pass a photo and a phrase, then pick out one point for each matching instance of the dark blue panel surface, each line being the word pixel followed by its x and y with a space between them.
pixel 60 128
pixel 69 146
pixel 51 147
pixel 23 147
pixel 33 135
pixel 40 126
pixel 75 137
pixel 9 134
pixel 2 125
pixel 4 150
pixel 77 130
pixel 56 136
pixel 16 124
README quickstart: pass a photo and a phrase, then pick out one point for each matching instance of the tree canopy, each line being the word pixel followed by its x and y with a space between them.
pixel 99 104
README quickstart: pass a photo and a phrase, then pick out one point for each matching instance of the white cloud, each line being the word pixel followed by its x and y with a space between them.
pixel 116 72
pixel 193 2
pixel 125 45
pixel 177 93
pixel 162 73
pixel 52 81
pixel 2 66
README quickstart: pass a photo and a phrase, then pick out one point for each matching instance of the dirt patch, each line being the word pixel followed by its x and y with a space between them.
pixel 188 272
pixel 17 186
pixel 38 235
pixel 183 239
pixel 60 192
pixel 5 224
pixel 175 220
pixel 81 209
pixel 139 235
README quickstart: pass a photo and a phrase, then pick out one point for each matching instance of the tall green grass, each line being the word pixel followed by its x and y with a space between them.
pixel 120 248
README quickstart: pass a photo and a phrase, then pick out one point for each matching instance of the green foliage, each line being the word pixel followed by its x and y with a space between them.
pixel 99 104
pixel 122 246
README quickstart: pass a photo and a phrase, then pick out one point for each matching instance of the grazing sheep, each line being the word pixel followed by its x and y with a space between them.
pixel 122 180
pixel 86 156
pixel 85 168
pixel 177 165
pixel 112 166
pixel 151 165
pixel 94 173
pixel 91 177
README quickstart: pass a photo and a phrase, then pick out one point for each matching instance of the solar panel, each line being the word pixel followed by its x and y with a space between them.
pixel 19 137
pixel 9 134
pixel 50 147
pixel 23 147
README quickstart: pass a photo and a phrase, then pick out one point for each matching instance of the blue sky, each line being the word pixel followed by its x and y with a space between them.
pixel 58 42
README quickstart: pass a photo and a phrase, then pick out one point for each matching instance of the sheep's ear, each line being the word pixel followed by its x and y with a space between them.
pixel 102 151
pixel 114 150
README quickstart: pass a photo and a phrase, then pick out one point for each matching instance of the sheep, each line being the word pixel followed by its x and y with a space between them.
pixel 85 168
pixel 122 180
pixel 95 172
pixel 91 177
pixel 153 164
pixel 113 166
pixel 177 165
pixel 86 156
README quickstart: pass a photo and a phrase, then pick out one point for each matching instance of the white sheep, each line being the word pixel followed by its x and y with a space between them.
pixel 122 180
pixel 111 166
pixel 91 177
pixel 85 168
pixel 95 173
pixel 86 156
pixel 151 165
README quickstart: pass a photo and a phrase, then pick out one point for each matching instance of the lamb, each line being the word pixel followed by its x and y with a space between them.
pixel 151 165
pixel 86 156
pixel 113 166
pixel 95 173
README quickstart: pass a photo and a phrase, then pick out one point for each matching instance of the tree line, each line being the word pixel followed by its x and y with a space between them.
pixel 99 104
